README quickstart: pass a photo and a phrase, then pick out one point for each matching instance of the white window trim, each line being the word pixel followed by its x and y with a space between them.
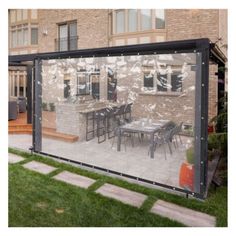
pixel 14 81
pixel 139 21
pixel 21 28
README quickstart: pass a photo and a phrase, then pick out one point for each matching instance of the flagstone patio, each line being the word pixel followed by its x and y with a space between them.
pixel 134 161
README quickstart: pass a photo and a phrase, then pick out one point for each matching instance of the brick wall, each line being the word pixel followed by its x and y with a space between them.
pixel 190 24
pixel 213 92
pixel 92 27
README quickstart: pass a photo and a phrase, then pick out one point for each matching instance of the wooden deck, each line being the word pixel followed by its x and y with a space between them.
pixel 20 126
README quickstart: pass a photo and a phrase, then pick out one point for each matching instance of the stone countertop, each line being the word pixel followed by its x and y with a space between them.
pixel 97 108
pixel 92 106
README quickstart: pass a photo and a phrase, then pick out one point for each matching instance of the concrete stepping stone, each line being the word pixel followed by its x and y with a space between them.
pixel 39 167
pixel 124 195
pixel 13 158
pixel 74 179
pixel 183 215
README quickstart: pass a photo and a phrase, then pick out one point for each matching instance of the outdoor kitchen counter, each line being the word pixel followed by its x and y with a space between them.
pixel 92 109
pixel 71 117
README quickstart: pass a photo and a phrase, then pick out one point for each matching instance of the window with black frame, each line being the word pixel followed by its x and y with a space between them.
pixel 170 82
pixel 67 33
pixel 148 81
pixel 176 82
pixel 162 82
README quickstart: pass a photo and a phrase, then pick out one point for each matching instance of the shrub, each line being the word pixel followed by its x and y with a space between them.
pixel 52 106
pixel 190 155
pixel 45 106
pixel 218 141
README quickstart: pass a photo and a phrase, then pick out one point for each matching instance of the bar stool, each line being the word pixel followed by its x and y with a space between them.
pixel 100 117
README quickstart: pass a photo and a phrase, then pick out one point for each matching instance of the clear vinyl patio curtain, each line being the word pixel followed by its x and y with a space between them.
pixel 163 82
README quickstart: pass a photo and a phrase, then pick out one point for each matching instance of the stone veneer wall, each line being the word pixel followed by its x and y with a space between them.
pixel 156 106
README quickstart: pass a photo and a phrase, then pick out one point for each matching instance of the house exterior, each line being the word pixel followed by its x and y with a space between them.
pixel 43 30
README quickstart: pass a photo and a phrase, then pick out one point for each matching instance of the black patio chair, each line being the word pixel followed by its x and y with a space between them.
pixel 12 110
pixel 176 133
pixel 127 112
pixel 162 138
pixel 111 122
pixel 90 125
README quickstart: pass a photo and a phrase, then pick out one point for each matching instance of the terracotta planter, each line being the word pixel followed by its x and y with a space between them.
pixel 186 176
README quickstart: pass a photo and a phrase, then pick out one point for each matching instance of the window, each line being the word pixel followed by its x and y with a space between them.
pixel 19 37
pixel 170 82
pixel 160 19
pixel 111 85
pixel 13 16
pixel 120 21
pixel 67 36
pixel 162 82
pixel 14 39
pixel 146 22
pixel 167 81
pixel 34 36
pixel 63 40
pixel 148 81
pixel 19 15
pixel 83 83
pixel 176 82
pixel 25 14
pixel 73 36
pixel 17 83
pixel 34 14
pixel 132 20
pixel 67 88
pixel 25 36
pixel 95 85
pixel 21 85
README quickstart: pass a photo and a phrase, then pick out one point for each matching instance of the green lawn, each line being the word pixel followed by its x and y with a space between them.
pixel 38 200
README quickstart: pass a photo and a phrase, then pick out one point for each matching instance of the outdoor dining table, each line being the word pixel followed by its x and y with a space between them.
pixel 143 126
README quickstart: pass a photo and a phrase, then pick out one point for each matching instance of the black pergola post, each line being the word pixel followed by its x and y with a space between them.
pixel 201 118
pixel 37 98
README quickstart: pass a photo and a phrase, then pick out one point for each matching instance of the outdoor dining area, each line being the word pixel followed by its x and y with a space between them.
pixel 117 123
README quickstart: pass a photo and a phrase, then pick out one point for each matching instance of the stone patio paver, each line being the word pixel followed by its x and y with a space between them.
pixel 121 194
pixel 39 167
pixel 13 158
pixel 183 215
pixel 74 179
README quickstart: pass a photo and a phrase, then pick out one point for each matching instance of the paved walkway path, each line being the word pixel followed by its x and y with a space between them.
pixel 12 158
pixel 122 194
pixel 183 215
pixel 74 179
pixel 39 167
pixel 172 211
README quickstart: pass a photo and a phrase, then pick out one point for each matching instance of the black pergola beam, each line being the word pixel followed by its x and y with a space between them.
pixel 160 48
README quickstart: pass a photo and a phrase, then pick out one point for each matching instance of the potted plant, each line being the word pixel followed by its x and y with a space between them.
pixel 186 175
pixel 52 106
pixel 44 106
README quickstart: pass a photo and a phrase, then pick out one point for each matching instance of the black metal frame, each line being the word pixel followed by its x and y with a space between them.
pixel 203 47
